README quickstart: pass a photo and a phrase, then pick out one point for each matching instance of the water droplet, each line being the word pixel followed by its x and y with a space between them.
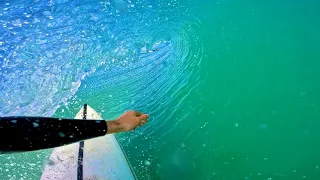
pixel 294 170
pixel 61 134
pixel 35 20
pixel 303 93
pixel 263 126
pixel 50 162
pixel 143 49
pixel 70 136
pixel 304 177
pixel 265 158
pixel 147 163
pixel 236 124
pixel 35 124
pixel 183 145
pixel 269 178
pixel 17 23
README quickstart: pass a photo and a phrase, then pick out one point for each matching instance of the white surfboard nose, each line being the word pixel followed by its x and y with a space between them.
pixel 102 159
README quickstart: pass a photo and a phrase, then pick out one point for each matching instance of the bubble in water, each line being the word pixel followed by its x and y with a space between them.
pixel 61 134
pixel 35 124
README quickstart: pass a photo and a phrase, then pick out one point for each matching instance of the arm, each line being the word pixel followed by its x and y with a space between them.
pixel 34 133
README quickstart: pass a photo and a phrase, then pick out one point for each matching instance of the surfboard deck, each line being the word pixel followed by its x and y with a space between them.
pixel 103 158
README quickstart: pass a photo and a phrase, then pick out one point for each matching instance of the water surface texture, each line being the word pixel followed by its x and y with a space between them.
pixel 232 86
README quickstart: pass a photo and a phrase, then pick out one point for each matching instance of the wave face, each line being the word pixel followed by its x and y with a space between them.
pixel 115 55
pixel 48 48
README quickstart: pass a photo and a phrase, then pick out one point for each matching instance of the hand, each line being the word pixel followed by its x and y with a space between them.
pixel 128 121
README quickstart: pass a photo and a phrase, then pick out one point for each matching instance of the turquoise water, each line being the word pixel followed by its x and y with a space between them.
pixel 232 86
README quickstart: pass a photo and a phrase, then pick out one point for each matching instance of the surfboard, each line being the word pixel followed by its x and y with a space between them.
pixel 100 158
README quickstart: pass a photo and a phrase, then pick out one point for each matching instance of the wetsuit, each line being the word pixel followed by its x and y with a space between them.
pixel 33 133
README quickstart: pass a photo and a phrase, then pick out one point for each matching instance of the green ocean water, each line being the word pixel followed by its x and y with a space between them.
pixel 249 111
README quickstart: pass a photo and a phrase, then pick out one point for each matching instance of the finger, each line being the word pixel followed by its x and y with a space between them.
pixel 138 113
pixel 144 117
pixel 142 123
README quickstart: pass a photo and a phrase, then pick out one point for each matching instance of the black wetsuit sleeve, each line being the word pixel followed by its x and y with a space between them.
pixel 19 134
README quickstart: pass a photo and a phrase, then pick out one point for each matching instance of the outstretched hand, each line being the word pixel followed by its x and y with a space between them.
pixel 130 120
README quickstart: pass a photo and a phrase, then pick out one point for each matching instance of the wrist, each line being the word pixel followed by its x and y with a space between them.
pixel 113 127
